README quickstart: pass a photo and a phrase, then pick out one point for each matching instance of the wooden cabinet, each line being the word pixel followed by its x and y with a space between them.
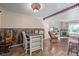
pixel 36 43
pixel 32 43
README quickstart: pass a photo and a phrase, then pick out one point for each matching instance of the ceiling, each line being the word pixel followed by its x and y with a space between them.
pixel 25 8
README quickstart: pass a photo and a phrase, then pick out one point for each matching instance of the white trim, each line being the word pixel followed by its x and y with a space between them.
pixel 16 45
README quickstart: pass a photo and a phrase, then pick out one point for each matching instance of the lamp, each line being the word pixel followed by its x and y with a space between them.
pixel 36 7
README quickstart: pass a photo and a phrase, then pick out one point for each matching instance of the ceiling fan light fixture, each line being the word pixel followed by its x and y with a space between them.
pixel 35 10
pixel 36 7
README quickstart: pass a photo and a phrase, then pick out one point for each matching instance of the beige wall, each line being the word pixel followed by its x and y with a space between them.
pixel 63 25
pixel 46 28
pixel 0 20
pixel 16 20
pixel 48 23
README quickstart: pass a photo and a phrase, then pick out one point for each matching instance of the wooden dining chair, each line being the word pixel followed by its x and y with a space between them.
pixel 53 37
pixel 73 47
pixel 7 43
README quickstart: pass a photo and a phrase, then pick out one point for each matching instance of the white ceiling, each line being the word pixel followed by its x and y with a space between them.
pixel 25 8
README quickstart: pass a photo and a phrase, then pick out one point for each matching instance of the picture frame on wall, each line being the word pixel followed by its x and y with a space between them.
pixel 36 31
pixel 40 32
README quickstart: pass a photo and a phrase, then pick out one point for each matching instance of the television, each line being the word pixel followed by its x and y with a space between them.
pixel 64 33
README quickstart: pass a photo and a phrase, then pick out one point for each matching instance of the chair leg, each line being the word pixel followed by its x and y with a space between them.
pixel 77 50
pixel 68 51
pixel 6 49
pixel 77 54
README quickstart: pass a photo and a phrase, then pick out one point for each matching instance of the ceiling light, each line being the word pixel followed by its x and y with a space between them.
pixel 36 7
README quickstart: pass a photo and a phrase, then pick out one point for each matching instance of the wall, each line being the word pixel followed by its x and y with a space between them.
pixel 0 20
pixel 66 18
pixel 16 20
pixel 63 25
pixel 46 29
pixel 48 23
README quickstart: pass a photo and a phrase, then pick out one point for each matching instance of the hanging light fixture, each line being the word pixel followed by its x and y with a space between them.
pixel 36 7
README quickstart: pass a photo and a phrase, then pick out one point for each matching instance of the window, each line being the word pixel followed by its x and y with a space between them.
pixel 74 28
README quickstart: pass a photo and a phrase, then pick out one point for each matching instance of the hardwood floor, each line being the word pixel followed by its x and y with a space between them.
pixel 53 49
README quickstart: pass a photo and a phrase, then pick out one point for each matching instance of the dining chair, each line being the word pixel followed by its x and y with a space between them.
pixel 73 46
pixel 53 37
